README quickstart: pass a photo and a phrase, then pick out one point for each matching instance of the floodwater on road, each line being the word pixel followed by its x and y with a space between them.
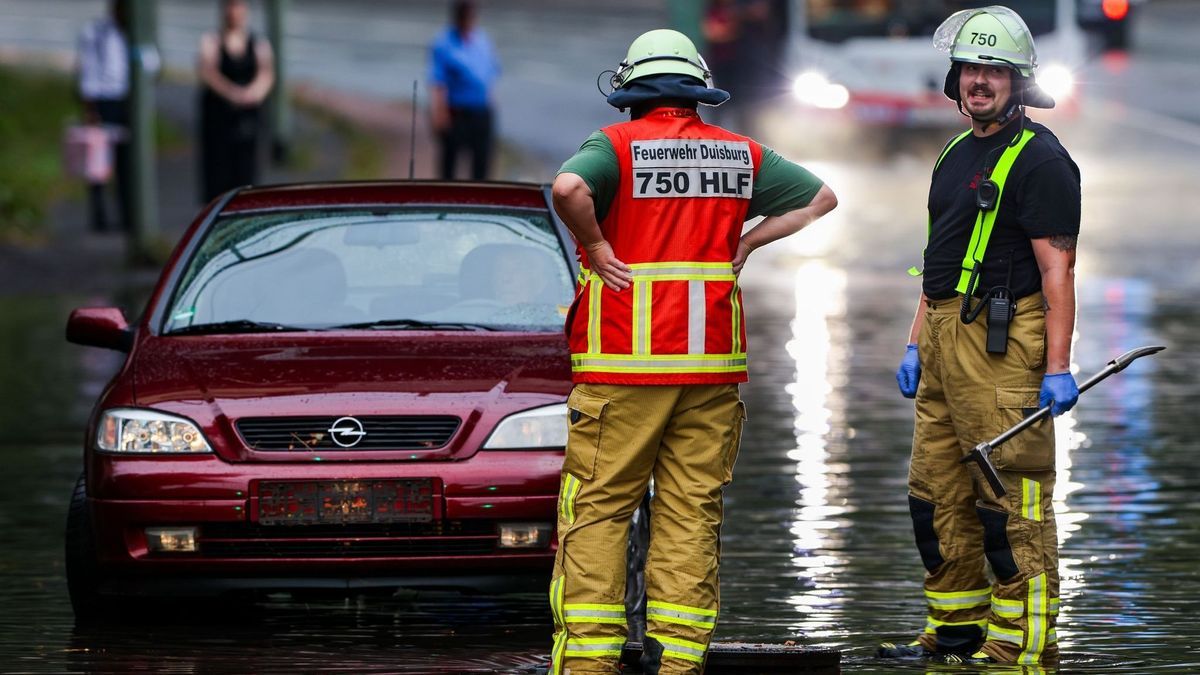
pixel 817 543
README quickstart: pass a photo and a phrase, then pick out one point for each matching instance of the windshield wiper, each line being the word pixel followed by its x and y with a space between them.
pixel 415 324
pixel 238 326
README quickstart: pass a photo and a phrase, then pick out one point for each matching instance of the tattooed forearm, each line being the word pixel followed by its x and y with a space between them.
pixel 1064 242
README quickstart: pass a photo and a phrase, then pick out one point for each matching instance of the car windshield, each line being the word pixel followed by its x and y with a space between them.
pixel 445 268
pixel 839 20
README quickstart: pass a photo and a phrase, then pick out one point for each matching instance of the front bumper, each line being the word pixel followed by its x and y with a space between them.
pixel 459 548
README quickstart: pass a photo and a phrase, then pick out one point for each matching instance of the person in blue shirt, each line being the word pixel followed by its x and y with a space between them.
pixel 463 66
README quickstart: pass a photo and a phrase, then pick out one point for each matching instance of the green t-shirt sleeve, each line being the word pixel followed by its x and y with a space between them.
pixel 596 163
pixel 781 186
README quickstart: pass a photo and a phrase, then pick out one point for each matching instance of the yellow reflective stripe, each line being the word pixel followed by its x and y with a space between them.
pixel 1052 637
pixel 570 490
pixel 1008 609
pixel 641 317
pixel 959 599
pixel 995 632
pixel 1036 610
pixel 951 145
pixel 672 271
pixel 661 358
pixel 681 649
pixel 932 624
pixel 913 271
pixel 985 221
pixel 593 336
pixel 590 648
pixel 658 363
pixel 560 638
pixel 658 604
pixel 681 614
pixel 1054 604
pixel 594 613
pixel 736 302
pixel 1031 499
pixel 659 370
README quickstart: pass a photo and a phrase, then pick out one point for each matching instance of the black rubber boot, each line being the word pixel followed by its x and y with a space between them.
pixel 912 650
pixel 978 658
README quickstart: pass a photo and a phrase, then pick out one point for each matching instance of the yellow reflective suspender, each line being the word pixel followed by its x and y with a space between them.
pixel 913 271
pixel 986 220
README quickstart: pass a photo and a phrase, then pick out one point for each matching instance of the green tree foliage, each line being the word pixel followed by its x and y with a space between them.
pixel 35 108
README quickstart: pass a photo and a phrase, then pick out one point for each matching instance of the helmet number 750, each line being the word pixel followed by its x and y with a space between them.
pixel 985 39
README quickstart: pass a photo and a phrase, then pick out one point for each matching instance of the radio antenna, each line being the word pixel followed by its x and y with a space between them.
pixel 412 136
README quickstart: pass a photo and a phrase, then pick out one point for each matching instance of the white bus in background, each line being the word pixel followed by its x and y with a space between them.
pixel 874 61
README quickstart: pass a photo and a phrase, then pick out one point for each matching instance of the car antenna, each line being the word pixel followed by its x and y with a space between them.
pixel 412 136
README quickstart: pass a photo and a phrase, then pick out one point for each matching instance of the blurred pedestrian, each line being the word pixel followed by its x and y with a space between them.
pixel 463 67
pixel 103 73
pixel 1004 211
pixel 657 206
pixel 746 41
pixel 237 73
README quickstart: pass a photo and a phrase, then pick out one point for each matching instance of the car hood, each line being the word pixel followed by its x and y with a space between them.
pixel 479 377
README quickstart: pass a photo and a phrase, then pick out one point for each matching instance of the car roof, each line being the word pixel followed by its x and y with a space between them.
pixel 394 192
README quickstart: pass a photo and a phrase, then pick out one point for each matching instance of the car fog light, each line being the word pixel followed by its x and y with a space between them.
pixel 524 535
pixel 171 539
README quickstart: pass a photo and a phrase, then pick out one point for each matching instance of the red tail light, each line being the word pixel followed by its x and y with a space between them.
pixel 1116 10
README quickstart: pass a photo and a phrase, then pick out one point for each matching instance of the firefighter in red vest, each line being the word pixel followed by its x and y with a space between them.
pixel 658 347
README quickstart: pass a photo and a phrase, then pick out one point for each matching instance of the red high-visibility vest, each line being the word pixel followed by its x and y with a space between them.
pixel 677 217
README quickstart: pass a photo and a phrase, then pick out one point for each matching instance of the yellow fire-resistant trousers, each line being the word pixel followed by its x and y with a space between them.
pixel 686 438
pixel 967 396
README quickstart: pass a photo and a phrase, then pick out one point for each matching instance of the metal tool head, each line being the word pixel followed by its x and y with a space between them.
pixel 1123 361
pixel 981 456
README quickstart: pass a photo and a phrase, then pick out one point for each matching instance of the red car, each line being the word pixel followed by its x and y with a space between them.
pixel 334 386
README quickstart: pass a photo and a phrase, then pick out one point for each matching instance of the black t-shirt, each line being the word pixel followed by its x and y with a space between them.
pixel 1041 199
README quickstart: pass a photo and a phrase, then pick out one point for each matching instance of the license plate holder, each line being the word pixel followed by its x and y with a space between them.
pixel 345 502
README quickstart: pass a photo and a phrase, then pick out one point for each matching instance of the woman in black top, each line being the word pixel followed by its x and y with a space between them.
pixel 237 72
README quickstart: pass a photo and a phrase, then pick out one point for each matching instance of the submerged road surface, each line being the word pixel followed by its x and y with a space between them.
pixel 818 543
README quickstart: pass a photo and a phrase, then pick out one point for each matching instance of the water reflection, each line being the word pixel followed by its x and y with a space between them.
pixel 820 505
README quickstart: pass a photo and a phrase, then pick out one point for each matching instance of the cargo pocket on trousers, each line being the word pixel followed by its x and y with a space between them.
pixel 735 442
pixel 585 415
pixel 1032 449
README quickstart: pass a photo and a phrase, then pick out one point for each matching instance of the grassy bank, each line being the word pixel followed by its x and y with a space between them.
pixel 35 107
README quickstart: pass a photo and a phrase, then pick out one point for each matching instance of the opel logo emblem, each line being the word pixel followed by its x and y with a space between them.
pixel 346 432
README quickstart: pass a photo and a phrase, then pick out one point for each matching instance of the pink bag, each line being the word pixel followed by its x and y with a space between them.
pixel 88 153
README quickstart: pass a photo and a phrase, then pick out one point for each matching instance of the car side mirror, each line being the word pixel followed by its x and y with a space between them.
pixel 104 327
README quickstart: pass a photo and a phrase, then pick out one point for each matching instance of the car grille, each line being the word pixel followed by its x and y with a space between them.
pixel 415 540
pixel 306 434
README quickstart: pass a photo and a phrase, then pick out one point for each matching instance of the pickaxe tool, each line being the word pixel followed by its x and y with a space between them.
pixel 981 454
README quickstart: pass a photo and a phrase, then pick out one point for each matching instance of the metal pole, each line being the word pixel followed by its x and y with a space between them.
pixel 143 58
pixel 279 105
pixel 686 16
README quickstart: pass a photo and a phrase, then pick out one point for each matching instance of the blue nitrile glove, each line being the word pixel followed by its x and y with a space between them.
pixel 909 373
pixel 1059 392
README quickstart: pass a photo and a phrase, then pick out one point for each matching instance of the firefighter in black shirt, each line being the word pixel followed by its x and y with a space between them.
pixel 1003 221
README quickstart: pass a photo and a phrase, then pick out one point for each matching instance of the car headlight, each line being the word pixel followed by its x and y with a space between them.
pixel 813 88
pixel 538 428
pixel 135 430
pixel 1056 80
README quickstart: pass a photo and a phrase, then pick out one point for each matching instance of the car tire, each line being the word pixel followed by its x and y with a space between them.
pixel 638 546
pixel 83 575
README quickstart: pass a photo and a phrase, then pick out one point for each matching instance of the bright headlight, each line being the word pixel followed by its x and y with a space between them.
pixel 813 88
pixel 148 431
pixel 1056 80
pixel 538 428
